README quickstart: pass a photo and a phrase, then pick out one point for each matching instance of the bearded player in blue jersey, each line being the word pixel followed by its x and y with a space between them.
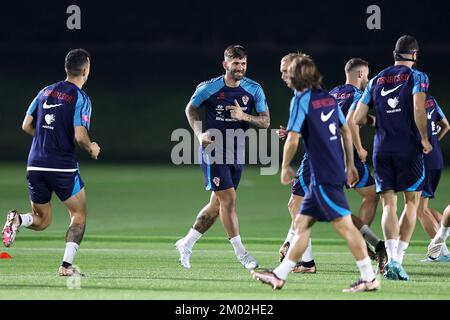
pixel 398 95
pixel 347 96
pixel 315 114
pixel 58 116
pixel 228 102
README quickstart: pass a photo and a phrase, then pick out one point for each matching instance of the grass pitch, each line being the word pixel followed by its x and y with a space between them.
pixel 136 213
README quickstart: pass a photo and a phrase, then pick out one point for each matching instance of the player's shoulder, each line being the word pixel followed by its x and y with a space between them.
pixel 250 85
pixel 419 74
pixel 250 82
pixel 213 82
pixel 338 89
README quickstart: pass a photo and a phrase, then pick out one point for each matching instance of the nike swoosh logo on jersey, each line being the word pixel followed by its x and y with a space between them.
pixel 385 93
pixel 49 106
pixel 430 113
pixel 326 117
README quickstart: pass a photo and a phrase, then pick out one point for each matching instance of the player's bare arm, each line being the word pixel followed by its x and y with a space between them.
pixel 420 118
pixel 352 173
pixel 194 121
pixel 290 148
pixel 445 127
pixel 354 129
pixel 360 116
pixel 27 125
pixel 83 140
pixel 262 120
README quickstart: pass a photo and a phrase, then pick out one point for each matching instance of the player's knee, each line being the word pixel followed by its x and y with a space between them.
pixel 228 204
pixel 78 217
pixel 299 225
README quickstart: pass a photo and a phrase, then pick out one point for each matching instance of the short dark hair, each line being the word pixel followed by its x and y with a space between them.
pixel 303 73
pixel 354 63
pixel 75 61
pixel 406 44
pixel 235 51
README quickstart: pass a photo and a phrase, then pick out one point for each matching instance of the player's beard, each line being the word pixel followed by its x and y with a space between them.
pixel 237 76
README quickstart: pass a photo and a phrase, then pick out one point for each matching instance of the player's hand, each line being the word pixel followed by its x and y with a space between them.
pixel 94 150
pixel 362 153
pixel 236 111
pixel 287 175
pixel 426 146
pixel 205 139
pixel 282 133
pixel 352 176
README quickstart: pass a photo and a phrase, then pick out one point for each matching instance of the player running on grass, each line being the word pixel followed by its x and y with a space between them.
pixel 347 95
pixel 398 96
pixel 430 219
pixel 315 114
pixel 58 116
pixel 229 102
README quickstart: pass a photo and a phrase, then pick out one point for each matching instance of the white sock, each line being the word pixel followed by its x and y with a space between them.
pixel 308 254
pixel 27 220
pixel 444 250
pixel 391 249
pixel 283 270
pixel 365 268
pixel 442 234
pixel 289 236
pixel 71 251
pixel 238 247
pixel 401 249
pixel 191 238
pixel 369 236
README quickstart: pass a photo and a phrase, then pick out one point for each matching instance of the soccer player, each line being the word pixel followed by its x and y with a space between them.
pixel 430 219
pixel 398 96
pixel 435 246
pixel 347 96
pixel 229 102
pixel 58 116
pixel 315 114
pixel 299 188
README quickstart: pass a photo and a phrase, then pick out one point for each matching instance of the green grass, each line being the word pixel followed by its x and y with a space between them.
pixel 136 213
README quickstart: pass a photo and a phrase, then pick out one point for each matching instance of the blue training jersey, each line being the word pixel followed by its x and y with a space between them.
pixel 57 110
pixel 391 94
pixel 434 159
pixel 347 97
pixel 316 115
pixel 215 97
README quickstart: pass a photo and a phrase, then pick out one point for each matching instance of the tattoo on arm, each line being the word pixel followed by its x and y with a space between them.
pixel 75 233
pixel 262 120
pixel 204 222
pixel 193 119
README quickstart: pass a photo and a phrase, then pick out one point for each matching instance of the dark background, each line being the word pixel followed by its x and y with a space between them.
pixel 148 57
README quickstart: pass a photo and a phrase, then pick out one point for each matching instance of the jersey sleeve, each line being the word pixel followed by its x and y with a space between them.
pixel 83 110
pixel 366 97
pixel 297 112
pixel 421 82
pixel 260 100
pixel 32 109
pixel 358 94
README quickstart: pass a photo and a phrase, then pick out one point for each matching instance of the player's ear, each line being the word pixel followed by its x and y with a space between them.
pixel 225 64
